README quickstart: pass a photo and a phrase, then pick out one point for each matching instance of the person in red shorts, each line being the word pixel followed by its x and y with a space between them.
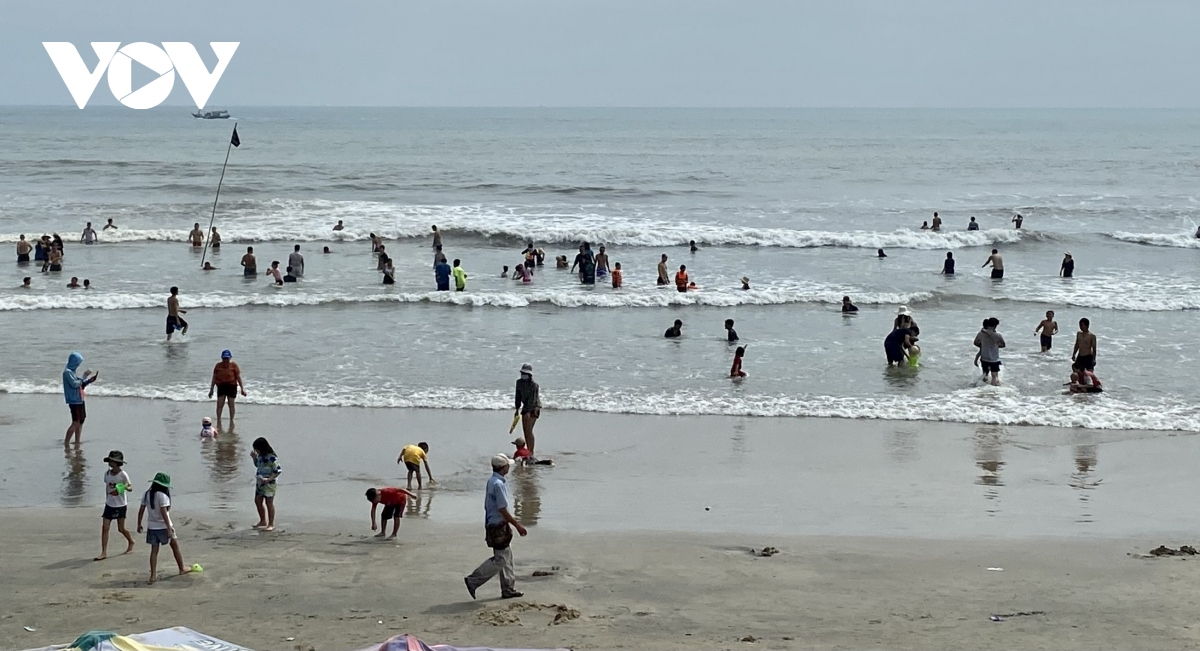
pixel 393 500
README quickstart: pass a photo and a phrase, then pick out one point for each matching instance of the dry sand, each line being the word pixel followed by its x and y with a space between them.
pixel 334 588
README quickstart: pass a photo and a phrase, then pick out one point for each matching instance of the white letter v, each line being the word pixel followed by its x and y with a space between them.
pixel 199 82
pixel 74 72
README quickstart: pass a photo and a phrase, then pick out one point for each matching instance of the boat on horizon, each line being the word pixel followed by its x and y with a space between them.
pixel 211 115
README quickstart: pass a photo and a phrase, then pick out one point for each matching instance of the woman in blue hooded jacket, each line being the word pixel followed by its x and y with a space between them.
pixel 73 386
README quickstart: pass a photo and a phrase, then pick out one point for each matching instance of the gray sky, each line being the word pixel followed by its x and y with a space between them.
pixel 885 53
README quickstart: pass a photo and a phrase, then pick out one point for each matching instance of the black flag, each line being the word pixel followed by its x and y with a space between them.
pixel 235 140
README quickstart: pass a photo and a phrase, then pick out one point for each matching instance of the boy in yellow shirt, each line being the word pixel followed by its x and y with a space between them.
pixel 413 456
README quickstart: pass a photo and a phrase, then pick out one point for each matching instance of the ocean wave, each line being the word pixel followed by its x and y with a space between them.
pixel 600 297
pixel 1176 240
pixel 312 220
pixel 982 405
pixel 1114 290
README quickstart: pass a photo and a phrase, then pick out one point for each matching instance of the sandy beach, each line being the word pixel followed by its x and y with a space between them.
pixel 335 588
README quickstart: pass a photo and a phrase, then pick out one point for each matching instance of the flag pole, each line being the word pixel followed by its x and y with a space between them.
pixel 208 239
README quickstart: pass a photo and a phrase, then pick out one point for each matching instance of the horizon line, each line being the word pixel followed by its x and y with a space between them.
pixel 191 107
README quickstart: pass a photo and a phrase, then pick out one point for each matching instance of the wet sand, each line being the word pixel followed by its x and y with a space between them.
pixel 330 587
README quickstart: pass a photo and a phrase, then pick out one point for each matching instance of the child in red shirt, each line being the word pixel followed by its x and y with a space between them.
pixel 393 500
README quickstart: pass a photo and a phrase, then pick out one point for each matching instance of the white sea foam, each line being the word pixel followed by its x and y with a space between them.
pixel 985 405
pixel 1114 290
pixel 1176 240
pixel 599 297
pixel 312 220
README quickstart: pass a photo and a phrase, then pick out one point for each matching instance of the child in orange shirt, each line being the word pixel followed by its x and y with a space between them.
pixel 617 276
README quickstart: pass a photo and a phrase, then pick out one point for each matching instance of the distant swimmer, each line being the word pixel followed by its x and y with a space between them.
pixel 1067 269
pixel 249 263
pixel 674 331
pixel 74 284
pixel 880 254
pixel 174 321
pixel 1084 381
pixel 89 234
pixel 437 237
pixel 847 306
pixel 997 264
pixel 541 257
pixel 326 250
pixel 523 273
pixel 1018 220
pixel 274 272
pixel 973 226
pixel 681 278
pixel 692 246
pixel 989 342
pixel 736 371
pixel 338 226
pixel 54 263
pixel 528 404
pixel 438 256
pixel 23 249
pixel 27 283
pixel 290 276
pixel 227 381
pixel 560 262
pixel 296 262
pixel 899 341
pixel 936 224
pixel 504 272
pixel 1046 330
pixel 904 315
pixel 618 277
pixel 197 235
pixel 948 265
pixel 730 334
pixel 208 267
pixel 1084 353
pixel 214 239
pixel 924 226
pixel 602 267
pixel 745 283
pixel 389 274
pixel 460 276
pixel 87 284
pixel 109 225
pixel 663 278
pixel 1198 232
pixel 441 274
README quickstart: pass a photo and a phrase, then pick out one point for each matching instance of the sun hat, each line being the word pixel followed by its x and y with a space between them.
pixel 162 479
pixel 1066 253
pixel 903 311
pixel 519 442
pixel 206 420
pixel 115 456
pixel 500 461
pixel 225 354
pixel 526 369
pixel 745 279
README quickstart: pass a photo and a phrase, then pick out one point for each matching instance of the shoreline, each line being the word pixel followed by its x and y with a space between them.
pixel 330 588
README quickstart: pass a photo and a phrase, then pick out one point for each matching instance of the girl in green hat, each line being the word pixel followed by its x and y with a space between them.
pixel 159 528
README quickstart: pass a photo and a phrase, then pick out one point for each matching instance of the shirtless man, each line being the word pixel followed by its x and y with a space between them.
pixel 214 240
pixel 339 226
pixel 997 264
pixel 437 237
pixel 249 263
pixel 936 225
pixel 197 235
pixel 23 249
pixel 1047 329
pixel 89 234
pixel 174 321
pixel 109 225
pixel 602 268
pixel 663 278
pixel 1018 220
pixel 296 262
pixel 1084 354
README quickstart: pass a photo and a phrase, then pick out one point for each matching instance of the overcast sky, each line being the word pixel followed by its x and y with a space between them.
pixel 885 53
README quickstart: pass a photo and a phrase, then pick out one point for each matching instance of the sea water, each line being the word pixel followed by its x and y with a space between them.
pixel 797 200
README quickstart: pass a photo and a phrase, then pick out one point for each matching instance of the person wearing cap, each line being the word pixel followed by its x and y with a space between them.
pixel 498 523
pixel 227 380
pixel 159 528
pixel 522 452
pixel 413 456
pixel 1068 266
pixel 116 503
pixel 207 431
pixel 528 404
pixel 904 319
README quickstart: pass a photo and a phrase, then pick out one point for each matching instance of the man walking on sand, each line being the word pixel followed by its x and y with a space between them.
pixel 227 380
pixel 498 524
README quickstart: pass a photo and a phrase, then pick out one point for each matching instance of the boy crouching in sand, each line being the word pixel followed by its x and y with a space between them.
pixel 393 500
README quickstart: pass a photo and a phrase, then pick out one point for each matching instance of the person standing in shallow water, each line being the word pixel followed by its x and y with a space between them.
pixel 226 381
pixel 1067 269
pixel 663 278
pixel 528 404
pixel 948 265
pixel 997 264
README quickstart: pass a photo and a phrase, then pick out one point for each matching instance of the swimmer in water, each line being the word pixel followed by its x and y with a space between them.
pixel 1018 220
pixel 74 284
pixel 924 226
pixel 675 331
pixel 109 225
pixel 948 265
pixel 736 370
pixel 997 264
pixel 973 226
pixel 618 277
pixel 692 245
pixel 338 226
pixel 681 279
pixel 326 250
pixel 87 284
pixel 1067 269
pixel 197 235
pixel 174 321
pixel 249 263
pixel 208 267
pixel 26 283
pixel 847 306
pixel 437 237
pixel 936 224
pixel 1046 330
pixel 602 268
pixel 880 254
pixel 274 272
pixel 1084 353
pixel 504 272
pixel 745 283
pixel 290 276
pixel 989 342
pixel 215 239
pixel 560 262
pixel 730 334
pixel 663 278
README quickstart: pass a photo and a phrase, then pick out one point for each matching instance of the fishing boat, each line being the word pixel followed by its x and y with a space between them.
pixel 211 115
